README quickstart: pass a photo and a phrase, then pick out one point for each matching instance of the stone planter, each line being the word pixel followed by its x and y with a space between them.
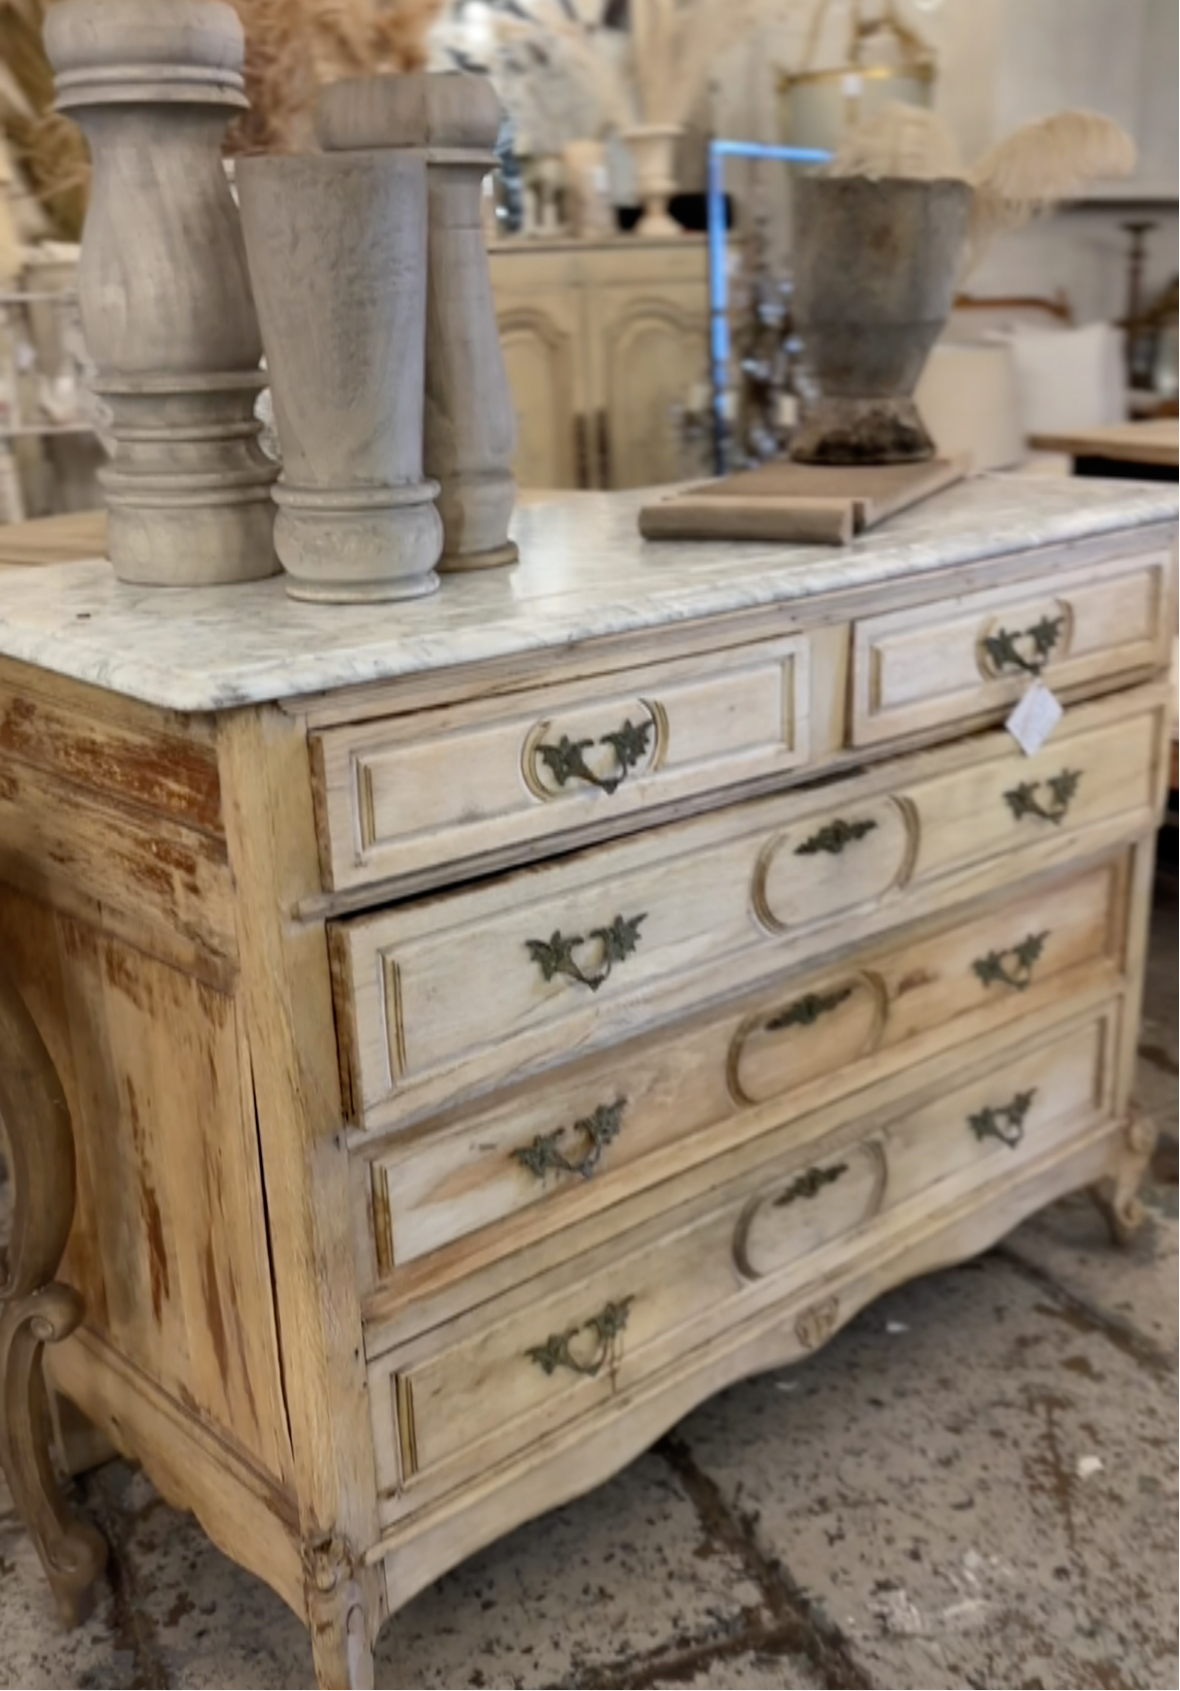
pixel 164 292
pixel 653 153
pixel 874 266
pixel 337 251
pixel 470 420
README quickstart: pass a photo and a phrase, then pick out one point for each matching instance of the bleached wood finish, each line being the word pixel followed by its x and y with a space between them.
pixel 603 340
pixel 393 1229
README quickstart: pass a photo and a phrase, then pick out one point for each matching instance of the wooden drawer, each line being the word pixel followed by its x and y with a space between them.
pixel 958 658
pixel 501 1377
pixel 442 998
pixel 578 1136
pixel 397 796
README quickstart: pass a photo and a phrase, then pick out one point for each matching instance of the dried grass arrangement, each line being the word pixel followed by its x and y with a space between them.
pixel 1023 176
pixel 293 47
pixel 47 152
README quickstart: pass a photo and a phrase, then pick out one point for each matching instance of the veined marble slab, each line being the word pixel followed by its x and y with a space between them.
pixel 584 572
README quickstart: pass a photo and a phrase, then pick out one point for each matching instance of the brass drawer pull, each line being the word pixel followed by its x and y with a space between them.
pixel 566 761
pixel 1023 800
pixel 1005 653
pixel 605 1327
pixel 834 836
pixel 599 1130
pixel 993 967
pixel 810 1184
pixel 806 1011
pixel 555 956
pixel 1006 1122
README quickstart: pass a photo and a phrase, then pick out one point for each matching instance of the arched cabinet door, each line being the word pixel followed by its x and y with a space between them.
pixel 540 349
pixel 37 1157
pixel 650 353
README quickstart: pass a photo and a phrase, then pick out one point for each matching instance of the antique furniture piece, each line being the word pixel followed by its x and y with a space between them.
pixel 604 342
pixel 165 298
pixel 491 1025
pixel 470 423
pixel 346 352
pixel 1147 451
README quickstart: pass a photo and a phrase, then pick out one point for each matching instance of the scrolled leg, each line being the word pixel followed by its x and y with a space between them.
pixel 341 1620
pixel 1117 1196
pixel 36 1310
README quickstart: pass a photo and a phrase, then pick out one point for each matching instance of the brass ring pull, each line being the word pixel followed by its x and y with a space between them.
pixel 1003 648
pixel 806 1011
pixel 566 761
pixel 1005 1122
pixel 605 1327
pixel 599 1130
pixel 555 956
pixel 994 966
pixel 834 836
pixel 1023 801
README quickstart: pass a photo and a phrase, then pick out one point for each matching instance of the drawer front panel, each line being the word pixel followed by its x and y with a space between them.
pixel 400 795
pixel 499 1378
pixel 447 996
pixel 805 1041
pixel 944 662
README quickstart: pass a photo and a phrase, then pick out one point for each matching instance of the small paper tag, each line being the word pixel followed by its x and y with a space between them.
pixel 1034 719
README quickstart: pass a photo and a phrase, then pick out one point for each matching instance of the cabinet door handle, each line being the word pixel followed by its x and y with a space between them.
pixel 806 1011
pixel 1004 1122
pixel 1004 647
pixel 603 1328
pixel 994 967
pixel 598 1130
pixel 1023 801
pixel 555 955
pixel 566 761
pixel 834 836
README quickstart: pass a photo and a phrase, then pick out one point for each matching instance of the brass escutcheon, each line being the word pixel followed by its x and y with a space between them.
pixel 1004 647
pixel 1022 800
pixel 1004 1122
pixel 599 1129
pixel 557 1351
pixel 555 956
pixel 994 967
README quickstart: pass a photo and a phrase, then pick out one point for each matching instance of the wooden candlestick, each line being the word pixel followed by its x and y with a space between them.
pixel 470 419
pixel 163 287
pixel 337 247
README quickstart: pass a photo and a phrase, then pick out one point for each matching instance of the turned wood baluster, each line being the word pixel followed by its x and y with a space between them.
pixel 36 1309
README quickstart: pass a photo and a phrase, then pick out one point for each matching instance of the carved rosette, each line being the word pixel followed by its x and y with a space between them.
pixel 36 1310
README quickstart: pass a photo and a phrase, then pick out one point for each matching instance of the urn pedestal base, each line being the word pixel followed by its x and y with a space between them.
pixel 834 430
pixel 347 546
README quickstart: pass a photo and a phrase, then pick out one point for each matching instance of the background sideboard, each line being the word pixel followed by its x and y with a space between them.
pixel 603 340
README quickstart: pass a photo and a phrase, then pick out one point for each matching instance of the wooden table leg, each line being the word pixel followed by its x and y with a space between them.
pixel 1118 1195
pixel 35 1309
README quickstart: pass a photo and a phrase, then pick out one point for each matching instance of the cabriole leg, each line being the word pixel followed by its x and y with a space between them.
pixel 1117 1196
pixel 35 1309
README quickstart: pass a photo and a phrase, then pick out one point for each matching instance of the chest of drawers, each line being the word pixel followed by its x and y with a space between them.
pixel 448 1043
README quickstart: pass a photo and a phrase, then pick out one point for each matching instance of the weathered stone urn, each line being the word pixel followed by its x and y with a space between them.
pixel 163 287
pixel 875 265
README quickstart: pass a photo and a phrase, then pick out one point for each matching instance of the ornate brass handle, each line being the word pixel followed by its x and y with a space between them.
pixel 805 1011
pixel 555 955
pixel 810 1184
pixel 834 836
pixel 1005 1122
pixel 1023 800
pixel 605 1327
pixel 599 1130
pixel 994 967
pixel 1005 653
pixel 566 761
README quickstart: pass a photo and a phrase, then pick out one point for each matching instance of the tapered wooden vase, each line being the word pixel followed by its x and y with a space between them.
pixel 470 421
pixel 337 250
pixel 163 286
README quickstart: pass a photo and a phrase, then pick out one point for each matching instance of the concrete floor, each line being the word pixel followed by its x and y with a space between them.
pixel 975 1484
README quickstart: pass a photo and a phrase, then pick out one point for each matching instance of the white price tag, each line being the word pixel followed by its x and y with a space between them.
pixel 1034 719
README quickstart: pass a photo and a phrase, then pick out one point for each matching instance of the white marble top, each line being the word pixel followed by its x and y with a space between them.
pixel 584 572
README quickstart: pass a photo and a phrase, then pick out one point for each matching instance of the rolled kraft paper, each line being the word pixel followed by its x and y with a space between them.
pixel 826 522
pixel 337 251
